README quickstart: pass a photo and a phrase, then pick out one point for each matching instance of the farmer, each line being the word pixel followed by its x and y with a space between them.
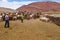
pixel 6 21
pixel 21 18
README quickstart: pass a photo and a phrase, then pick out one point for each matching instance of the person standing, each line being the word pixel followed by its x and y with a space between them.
pixel 21 18
pixel 6 21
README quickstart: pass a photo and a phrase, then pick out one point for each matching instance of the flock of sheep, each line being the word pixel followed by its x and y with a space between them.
pixel 42 17
pixel 16 16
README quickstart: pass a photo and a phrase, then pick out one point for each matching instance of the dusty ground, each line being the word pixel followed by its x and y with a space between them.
pixel 30 30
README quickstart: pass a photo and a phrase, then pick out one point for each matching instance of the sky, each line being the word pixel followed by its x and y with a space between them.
pixel 14 4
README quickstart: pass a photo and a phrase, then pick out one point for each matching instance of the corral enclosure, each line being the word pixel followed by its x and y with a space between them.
pixel 30 30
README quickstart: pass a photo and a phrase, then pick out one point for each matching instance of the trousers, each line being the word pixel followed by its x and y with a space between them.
pixel 6 24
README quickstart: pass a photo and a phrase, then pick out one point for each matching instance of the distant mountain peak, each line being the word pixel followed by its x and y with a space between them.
pixel 41 6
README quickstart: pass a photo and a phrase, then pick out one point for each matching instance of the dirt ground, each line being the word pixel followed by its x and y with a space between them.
pixel 30 30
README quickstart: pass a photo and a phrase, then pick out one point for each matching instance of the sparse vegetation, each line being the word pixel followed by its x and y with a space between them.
pixel 30 30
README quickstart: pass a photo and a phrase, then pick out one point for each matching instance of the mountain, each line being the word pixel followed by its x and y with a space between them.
pixel 41 7
pixel 6 10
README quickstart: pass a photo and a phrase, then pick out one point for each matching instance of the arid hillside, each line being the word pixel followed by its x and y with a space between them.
pixel 6 10
pixel 41 6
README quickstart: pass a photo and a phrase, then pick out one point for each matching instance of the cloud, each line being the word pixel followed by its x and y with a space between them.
pixel 4 0
pixel 14 4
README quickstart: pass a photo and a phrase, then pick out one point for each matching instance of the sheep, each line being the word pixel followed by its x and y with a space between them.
pixel 1 18
pixel 45 19
pixel 14 17
pixel 31 16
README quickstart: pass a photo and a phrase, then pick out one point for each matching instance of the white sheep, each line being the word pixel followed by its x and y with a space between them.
pixel 0 17
pixel 44 19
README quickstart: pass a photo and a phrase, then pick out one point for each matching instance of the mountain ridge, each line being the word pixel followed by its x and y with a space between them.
pixel 41 6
